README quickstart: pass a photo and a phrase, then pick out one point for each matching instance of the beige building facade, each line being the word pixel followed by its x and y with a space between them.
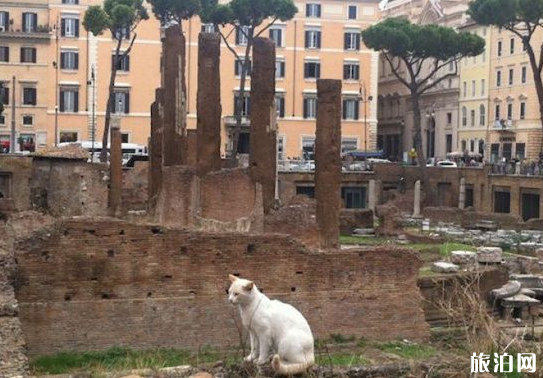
pixel 71 71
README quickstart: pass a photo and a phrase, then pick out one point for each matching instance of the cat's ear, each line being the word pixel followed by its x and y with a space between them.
pixel 249 286
pixel 232 278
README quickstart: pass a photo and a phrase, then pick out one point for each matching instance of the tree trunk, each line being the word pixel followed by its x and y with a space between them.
pixel 538 83
pixel 421 159
pixel 110 102
pixel 239 105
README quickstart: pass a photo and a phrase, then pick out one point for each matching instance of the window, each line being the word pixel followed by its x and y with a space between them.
pixel 2 120
pixel 279 69
pixel 308 148
pixel 312 70
pixel 464 146
pixel 276 35
pixel 472 145
pixel 125 138
pixel 472 118
pixel 281 147
pixel 449 118
pixel 498 78
pixel 523 75
pixel 509 111
pixel 121 102
pixel 69 100
pixel 464 116
pixel 208 28
pixel 71 2
pixel 351 71
pixel 29 96
pixel 241 35
pixel 511 75
pixel 351 41
pixel 473 88
pixel 483 83
pixel 312 39
pixel 28 55
pixel 512 46
pixel 123 64
pixel 68 136
pixel 4 54
pixel 350 109
pixel 69 60
pixel 310 107
pixel 69 27
pixel 482 115
pixel 239 65
pixel 312 10
pixel 30 22
pixel 245 106
pixel 122 32
pixel 520 151
pixel 348 144
pixel 4 21
pixel 28 120
pixel 465 88
pixel 352 13
pixel 280 106
pixel 4 94
pixel 448 142
pixel 497 112
pixel 522 110
pixel 499 48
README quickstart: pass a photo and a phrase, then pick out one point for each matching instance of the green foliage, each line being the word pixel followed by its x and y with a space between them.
pixel 114 15
pixel 248 12
pixel 400 38
pixel 178 10
pixel 410 351
pixel 506 13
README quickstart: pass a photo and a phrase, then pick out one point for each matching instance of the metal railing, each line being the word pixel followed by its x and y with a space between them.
pixel 522 168
pixel 300 165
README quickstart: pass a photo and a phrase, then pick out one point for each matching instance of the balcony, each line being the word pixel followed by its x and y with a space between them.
pixel 505 125
pixel 230 121
pixel 42 34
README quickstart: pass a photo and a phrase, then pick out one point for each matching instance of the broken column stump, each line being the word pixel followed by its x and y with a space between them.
pixel 155 147
pixel 115 167
pixel 328 161
pixel 208 155
pixel 263 137
pixel 174 96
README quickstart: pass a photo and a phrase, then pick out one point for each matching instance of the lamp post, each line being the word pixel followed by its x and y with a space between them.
pixel 92 82
pixel 362 97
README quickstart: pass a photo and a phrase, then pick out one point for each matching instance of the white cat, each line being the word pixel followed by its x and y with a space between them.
pixel 274 327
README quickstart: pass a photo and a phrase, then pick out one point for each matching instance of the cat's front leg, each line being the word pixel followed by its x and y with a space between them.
pixel 264 344
pixel 254 347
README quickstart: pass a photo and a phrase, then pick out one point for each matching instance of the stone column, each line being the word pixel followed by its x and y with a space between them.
pixel 328 161
pixel 416 206
pixel 115 167
pixel 155 147
pixel 462 194
pixel 174 96
pixel 263 136
pixel 371 195
pixel 208 145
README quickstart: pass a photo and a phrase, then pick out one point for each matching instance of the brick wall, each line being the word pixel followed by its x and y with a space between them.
pixel 91 285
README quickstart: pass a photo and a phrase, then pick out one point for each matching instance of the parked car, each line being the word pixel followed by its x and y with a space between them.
pixel 446 163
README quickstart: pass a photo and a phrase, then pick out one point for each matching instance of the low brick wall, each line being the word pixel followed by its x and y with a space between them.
pixel 88 285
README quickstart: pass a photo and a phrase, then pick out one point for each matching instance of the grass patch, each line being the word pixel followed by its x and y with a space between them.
pixel 363 240
pixel 407 350
pixel 115 359
pixel 338 338
pixel 342 359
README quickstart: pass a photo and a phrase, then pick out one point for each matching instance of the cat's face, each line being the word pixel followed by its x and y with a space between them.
pixel 240 291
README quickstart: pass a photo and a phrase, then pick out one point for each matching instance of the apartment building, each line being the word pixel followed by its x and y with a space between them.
pixel 67 70
pixel 515 130
pixel 474 100
pixel 439 106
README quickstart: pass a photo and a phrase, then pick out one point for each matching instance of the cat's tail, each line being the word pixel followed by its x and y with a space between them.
pixel 289 369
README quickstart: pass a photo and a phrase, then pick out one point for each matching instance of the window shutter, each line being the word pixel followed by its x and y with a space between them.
pixel 306 39
pixel 237 36
pixel 61 100
pixel 306 70
pixel 356 104
pixel 34 96
pixel 127 103
pixel 249 68
pixel 22 54
pixel 62 60
pixel 7 54
pixel 76 55
pixel 34 22
pixel 127 62
pixel 318 10
pixel 236 67
pixel 318 39
pixel 357 41
pixel 282 67
pixel 279 37
pixel 77 28
pixel 33 55
pixel 24 22
pixel 5 97
pixel 62 27
pixel 346 41
pixel 307 10
pixel 76 101
pixel 317 70
pixel 305 107
pixel 248 106
pixel 345 71
pixel 344 109
pixel 357 72
pixel 282 109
